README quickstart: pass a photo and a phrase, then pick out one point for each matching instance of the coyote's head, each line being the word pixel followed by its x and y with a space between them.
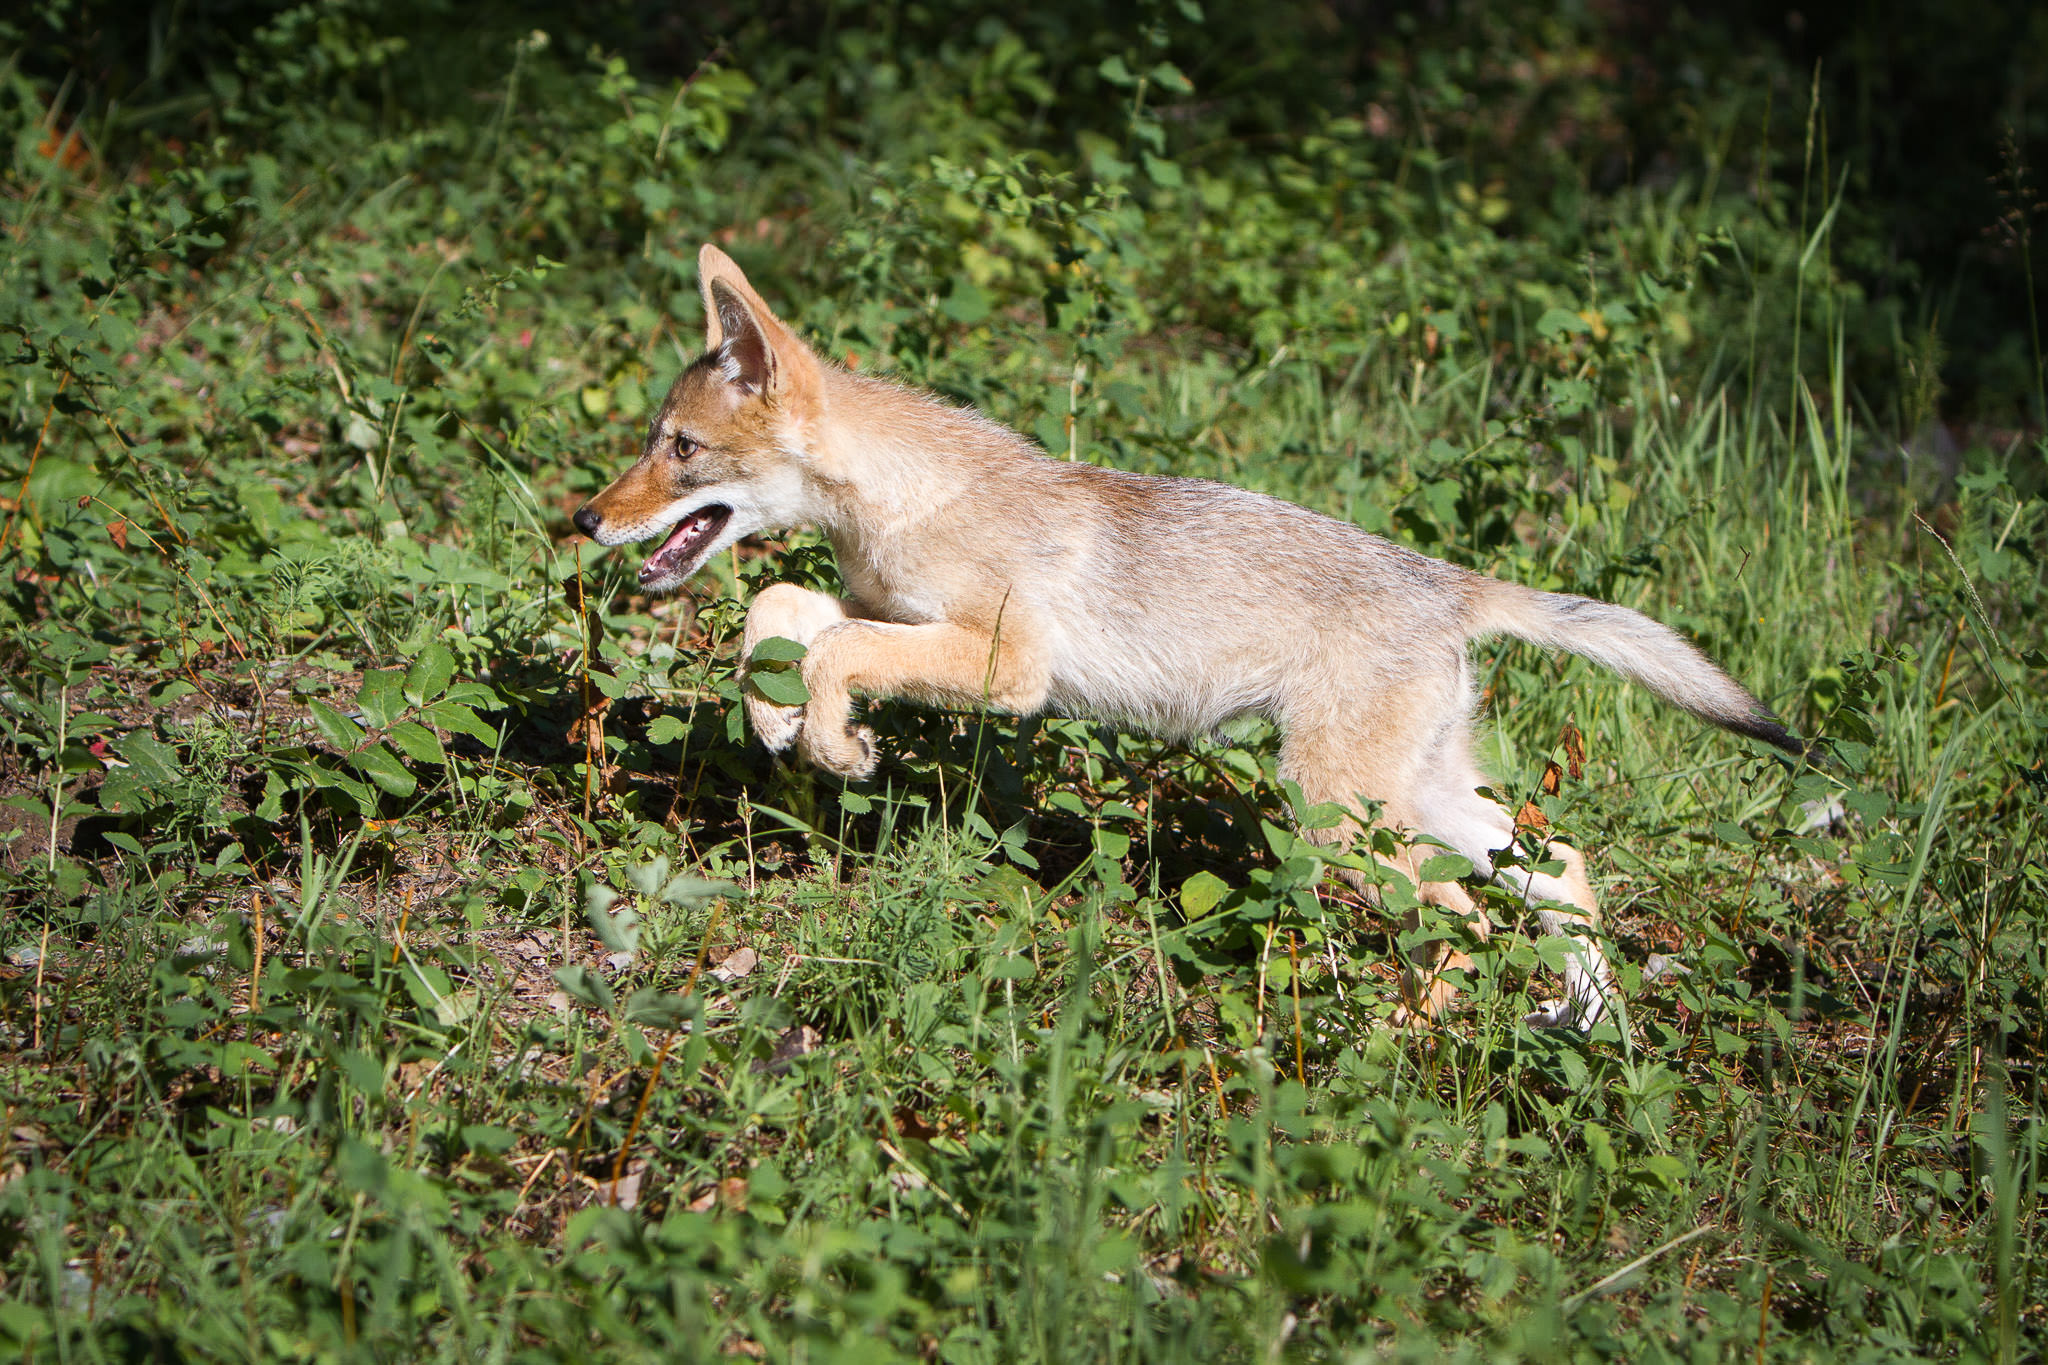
pixel 725 456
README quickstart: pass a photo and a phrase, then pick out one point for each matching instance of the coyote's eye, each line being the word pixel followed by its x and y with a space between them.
pixel 685 447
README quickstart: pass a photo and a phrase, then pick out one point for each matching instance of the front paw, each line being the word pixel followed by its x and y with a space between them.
pixel 851 753
pixel 775 725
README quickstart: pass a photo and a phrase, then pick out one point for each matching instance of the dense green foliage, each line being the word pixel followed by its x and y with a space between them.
pixel 405 954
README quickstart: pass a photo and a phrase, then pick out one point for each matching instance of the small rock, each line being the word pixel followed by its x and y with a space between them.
pixel 1660 966
pixel 1818 815
pixel 625 1191
pixel 790 1046
pixel 737 964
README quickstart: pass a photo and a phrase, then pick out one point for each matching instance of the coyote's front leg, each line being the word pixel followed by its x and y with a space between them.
pixel 793 613
pixel 939 664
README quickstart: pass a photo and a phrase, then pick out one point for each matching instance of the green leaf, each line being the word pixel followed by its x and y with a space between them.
pixel 1663 1169
pixel 427 984
pixel 457 717
pixel 776 649
pixel 785 689
pixel 651 1008
pixel 338 730
pixel 155 763
pixel 610 684
pixel 666 728
pixel 647 877
pixel 619 930
pixel 1202 893
pixel 1116 72
pixel 966 303
pixel 688 890
pixel 1446 867
pixel 1167 76
pixel 428 677
pixel 1160 170
pixel 164 693
pixel 476 694
pixel 381 766
pixel 381 697
pixel 1558 322
pixel 418 743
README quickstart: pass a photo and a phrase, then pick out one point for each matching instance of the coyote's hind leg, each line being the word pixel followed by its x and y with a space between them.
pixel 1454 811
pixel 1346 772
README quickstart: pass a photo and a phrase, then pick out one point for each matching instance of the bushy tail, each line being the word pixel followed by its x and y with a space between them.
pixel 1634 646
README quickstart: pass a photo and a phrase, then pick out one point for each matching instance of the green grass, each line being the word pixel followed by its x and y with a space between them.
pixel 408 956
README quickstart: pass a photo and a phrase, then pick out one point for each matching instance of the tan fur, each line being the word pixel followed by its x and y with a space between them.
pixel 980 572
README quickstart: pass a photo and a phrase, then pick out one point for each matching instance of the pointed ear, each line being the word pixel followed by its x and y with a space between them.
pixel 744 355
pixel 713 264
pixel 754 349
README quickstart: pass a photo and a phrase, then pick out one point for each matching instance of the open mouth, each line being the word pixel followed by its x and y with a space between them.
pixel 681 552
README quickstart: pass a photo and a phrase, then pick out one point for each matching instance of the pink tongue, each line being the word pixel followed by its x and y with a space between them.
pixel 672 549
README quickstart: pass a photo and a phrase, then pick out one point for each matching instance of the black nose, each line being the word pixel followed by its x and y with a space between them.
pixel 587 521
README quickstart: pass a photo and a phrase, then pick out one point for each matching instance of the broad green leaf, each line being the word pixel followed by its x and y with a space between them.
pixel 427 984
pixel 966 303
pixel 647 877
pixel 320 776
pixel 475 694
pixel 337 729
pixel 665 728
pixel 428 677
pixel 457 717
pixel 1446 867
pixel 689 890
pixel 418 743
pixel 785 689
pixel 154 762
pixel 1202 893
pixel 776 649
pixel 618 931
pixel 1167 76
pixel 651 1008
pixel 381 766
pixel 381 697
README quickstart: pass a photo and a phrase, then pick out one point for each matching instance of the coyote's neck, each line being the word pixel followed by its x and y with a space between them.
pixel 889 457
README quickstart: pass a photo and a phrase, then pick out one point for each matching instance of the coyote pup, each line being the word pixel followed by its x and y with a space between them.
pixel 980 572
